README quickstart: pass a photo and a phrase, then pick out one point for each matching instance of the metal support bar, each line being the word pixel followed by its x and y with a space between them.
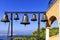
pixel 11 26
pixel 38 26
pixel 25 12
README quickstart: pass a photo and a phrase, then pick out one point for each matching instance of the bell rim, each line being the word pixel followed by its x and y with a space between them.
pixel 44 20
pixel 16 19
pixel 5 21
pixel 33 19
pixel 25 23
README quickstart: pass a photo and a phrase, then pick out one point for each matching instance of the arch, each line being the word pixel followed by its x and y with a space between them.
pixel 50 21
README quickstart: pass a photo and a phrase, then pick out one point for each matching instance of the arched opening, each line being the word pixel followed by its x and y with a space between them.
pixel 50 21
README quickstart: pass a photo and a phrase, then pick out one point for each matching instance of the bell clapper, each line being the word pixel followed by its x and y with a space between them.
pixel 25 25
pixel 5 22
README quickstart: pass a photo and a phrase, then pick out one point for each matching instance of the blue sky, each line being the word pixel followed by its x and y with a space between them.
pixel 23 5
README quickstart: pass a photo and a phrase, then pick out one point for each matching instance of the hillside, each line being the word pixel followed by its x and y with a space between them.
pixel 52 32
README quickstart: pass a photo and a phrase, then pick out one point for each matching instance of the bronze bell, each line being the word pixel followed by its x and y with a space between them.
pixel 44 18
pixel 34 18
pixel 16 17
pixel 5 18
pixel 25 20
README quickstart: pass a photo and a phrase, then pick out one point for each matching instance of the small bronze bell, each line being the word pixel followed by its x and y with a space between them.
pixel 5 18
pixel 25 20
pixel 34 18
pixel 44 18
pixel 16 17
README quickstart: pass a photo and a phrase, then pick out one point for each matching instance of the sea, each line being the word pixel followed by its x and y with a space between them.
pixel 5 37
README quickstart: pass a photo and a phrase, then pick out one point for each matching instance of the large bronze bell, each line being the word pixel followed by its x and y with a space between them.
pixel 25 20
pixel 34 18
pixel 16 17
pixel 5 18
pixel 44 18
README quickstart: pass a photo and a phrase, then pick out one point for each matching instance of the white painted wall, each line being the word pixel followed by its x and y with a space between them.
pixel 59 20
pixel 47 33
